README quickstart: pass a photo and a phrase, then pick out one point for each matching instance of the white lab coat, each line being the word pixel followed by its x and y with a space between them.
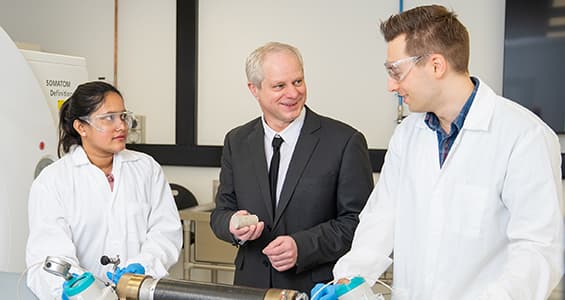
pixel 487 225
pixel 74 214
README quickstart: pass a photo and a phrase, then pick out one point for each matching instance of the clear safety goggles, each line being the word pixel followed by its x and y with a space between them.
pixel 398 70
pixel 110 121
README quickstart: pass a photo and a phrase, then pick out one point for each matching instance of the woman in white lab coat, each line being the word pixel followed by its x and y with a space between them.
pixel 99 198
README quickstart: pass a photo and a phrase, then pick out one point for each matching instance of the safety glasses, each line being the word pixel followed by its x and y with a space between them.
pixel 399 69
pixel 109 121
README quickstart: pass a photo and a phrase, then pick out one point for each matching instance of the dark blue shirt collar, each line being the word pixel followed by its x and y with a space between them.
pixel 433 121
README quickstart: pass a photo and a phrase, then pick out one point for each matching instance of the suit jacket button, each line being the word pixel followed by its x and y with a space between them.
pixel 269 228
pixel 265 263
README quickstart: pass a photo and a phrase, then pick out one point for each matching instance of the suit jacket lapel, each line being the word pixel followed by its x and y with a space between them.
pixel 302 153
pixel 257 151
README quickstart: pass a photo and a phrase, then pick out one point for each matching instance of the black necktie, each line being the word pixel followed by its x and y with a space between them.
pixel 274 169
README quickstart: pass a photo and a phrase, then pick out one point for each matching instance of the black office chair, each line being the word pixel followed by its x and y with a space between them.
pixel 183 197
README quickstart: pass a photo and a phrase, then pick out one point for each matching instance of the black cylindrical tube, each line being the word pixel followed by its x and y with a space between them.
pixel 168 289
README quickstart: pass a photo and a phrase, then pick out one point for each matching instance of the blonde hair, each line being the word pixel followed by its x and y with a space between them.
pixel 254 62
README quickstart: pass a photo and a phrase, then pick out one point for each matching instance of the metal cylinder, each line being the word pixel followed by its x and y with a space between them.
pixel 176 289
pixel 129 285
pixel 139 287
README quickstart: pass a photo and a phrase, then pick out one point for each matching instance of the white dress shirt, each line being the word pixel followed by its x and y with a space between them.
pixel 290 136
pixel 74 214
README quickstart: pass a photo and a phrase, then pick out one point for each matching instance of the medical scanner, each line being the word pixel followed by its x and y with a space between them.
pixel 58 76
pixel 29 136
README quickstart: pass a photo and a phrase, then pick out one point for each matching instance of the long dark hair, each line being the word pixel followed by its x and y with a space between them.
pixel 87 98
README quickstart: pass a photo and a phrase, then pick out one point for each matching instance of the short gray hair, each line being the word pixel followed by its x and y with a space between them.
pixel 254 62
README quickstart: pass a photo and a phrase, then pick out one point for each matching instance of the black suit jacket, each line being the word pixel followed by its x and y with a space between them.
pixel 327 184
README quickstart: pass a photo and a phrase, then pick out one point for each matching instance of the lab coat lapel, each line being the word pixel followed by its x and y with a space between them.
pixel 257 155
pixel 302 153
pixel 116 172
pixel 478 118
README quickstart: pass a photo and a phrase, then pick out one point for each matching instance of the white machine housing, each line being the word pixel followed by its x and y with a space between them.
pixel 29 138
pixel 58 75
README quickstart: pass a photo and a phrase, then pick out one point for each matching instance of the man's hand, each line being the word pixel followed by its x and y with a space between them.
pixel 247 233
pixel 282 253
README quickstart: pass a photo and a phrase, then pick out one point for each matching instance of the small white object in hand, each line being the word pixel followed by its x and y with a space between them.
pixel 238 221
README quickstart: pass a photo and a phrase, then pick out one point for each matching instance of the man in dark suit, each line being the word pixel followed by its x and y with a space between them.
pixel 307 191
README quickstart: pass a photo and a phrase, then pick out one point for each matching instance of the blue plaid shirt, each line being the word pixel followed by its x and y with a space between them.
pixel 444 140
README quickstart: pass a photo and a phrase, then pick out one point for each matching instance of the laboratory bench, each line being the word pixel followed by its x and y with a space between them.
pixel 202 249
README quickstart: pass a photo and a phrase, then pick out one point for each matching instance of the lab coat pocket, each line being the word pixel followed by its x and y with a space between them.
pixel 468 205
pixel 137 221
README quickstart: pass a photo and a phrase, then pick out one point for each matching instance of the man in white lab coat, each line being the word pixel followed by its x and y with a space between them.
pixel 469 198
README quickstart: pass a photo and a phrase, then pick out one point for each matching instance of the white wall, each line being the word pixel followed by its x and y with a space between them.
pixel 343 52
pixel 80 28
pixel 340 41
pixel 146 64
